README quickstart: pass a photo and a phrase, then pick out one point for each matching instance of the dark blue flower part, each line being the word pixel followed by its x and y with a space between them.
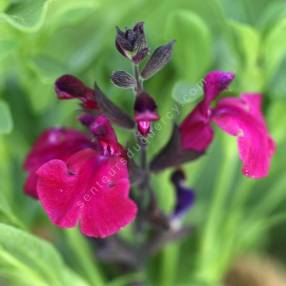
pixel 185 196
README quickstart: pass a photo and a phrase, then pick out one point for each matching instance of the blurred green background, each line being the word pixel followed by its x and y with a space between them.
pixel 234 217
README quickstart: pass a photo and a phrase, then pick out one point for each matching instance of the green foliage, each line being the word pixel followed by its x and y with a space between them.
pixel 247 47
pixel 192 54
pixel 25 15
pixel 43 39
pixel 6 123
pixel 34 261
pixel 274 48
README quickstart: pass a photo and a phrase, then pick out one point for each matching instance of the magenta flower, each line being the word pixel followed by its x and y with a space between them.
pixel 240 117
pixel 81 181
pixel 54 143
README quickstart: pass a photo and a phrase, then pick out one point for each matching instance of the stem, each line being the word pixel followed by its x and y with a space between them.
pixel 271 200
pixel 138 79
pixel 146 186
pixel 231 233
pixel 208 253
pixel 81 251
pixel 170 260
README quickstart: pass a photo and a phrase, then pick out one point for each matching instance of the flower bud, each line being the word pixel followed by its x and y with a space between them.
pixel 158 60
pixel 123 79
pixel 132 43
pixel 70 87
pixel 145 112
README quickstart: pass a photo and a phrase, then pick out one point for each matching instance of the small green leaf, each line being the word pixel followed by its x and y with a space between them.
pixel 192 53
pixel 26 15
pixel 6 123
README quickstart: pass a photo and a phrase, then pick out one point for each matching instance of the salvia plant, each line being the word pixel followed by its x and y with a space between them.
pixel 87 178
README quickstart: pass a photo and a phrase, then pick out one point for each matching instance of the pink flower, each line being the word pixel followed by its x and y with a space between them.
pixel 240 117
pixel 54 143
pixel 89 186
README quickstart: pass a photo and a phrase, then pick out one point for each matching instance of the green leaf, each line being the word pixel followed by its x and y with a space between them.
pixel 40 91
pixel 26 15
pixel 127 279
pixel 277 85
pixel 48 68
pixel 82 253
pixel 192 53
pixel 6 214
pixel 274 49
pixel 274 13
pixel 184 92
pixel 3 5
pixel 70 12
pixel 6 123
pixel 35 259
pixel 71 278
pixel 246 42
pixel 246 11
pixel 276 120
pixel 6 47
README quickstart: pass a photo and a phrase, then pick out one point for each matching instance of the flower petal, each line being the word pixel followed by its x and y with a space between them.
pixel 196 131
pixel 242 117
pixel 216 82
pixel 54 143
pixel 89 188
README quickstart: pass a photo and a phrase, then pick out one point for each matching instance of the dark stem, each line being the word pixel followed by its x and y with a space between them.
pixel 152 211
pixel 139 81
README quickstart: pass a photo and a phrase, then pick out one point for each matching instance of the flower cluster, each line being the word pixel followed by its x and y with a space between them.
pixel 84 177
pixel 81 178
pixel 133 45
